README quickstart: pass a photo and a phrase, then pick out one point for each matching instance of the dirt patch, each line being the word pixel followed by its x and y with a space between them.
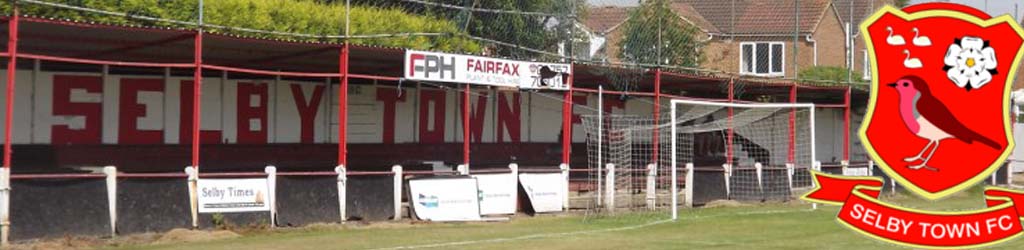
pixel 724 203
pixel 60 244
pixel 184 235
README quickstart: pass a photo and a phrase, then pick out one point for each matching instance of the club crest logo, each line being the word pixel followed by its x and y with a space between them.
pixel 939 117
pixel 938 122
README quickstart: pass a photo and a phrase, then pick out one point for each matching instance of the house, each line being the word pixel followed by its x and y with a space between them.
pixel 763 38
pixel 1018 83
pixel 602 26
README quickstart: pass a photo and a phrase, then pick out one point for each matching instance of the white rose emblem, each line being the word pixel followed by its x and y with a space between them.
pixel 970 62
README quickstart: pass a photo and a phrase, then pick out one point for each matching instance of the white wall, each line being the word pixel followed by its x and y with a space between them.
pixel 540 116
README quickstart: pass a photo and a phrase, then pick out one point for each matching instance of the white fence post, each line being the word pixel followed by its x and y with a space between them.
pixel 342 189
pixel 397 169
pixel 871 168
pixel 728 174
pixel 111 173
pixel 565 176
pixel 816 166
pixel 609 188
pixel 193 179
pixel 758 169
pixel 790 171
pixel 514 168
pixel 652 191
pixel 688 201
pixel 272 196
pixel 5 205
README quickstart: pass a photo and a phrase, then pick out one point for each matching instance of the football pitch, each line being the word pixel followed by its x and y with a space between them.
pixel 790 225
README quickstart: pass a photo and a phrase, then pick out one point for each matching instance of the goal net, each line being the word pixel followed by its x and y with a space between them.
pixel 628 164
pixel 700 152
pixel 763 150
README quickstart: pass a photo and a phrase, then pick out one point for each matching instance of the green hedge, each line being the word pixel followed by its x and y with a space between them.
pixel 297 16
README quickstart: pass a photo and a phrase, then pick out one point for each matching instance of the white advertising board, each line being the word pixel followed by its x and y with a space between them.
pixel 442 67
pixel 445 199
pixel 498 193
pixel 856 172
pixel 545 190
pixel 233 195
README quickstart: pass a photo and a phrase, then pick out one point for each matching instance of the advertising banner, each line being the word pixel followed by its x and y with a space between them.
pixel 498 193
pixel 445 199
pixel 233 195
pixel 544 190
pixel 442 67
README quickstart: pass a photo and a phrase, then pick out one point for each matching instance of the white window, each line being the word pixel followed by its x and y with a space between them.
pixel 763 58
pixel 866 66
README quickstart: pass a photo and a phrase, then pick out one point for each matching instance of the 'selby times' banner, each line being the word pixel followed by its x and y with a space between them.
pixel 233 195
pixel 453 68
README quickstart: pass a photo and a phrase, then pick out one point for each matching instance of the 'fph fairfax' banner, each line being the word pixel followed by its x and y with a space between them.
pixel 441 67
pixel 937 123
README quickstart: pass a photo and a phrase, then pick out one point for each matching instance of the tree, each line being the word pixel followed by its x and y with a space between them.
pixel 828 74
pixel 655 34
pixel 297 16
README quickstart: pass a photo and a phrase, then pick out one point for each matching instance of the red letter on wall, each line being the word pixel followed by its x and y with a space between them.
pixel 185 129
pixel 437 134
pixel 476 117
pixel 307 111
pixel 578 100
pixel 390 98
pixel 63 106
pixel 612 102
pixel 130 110
pixel 508 117
pixel 252 113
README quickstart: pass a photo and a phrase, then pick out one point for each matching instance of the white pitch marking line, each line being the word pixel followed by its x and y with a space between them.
pixel 526 237
pixel 538 236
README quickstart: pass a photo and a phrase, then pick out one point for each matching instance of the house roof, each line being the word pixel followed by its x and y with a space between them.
pixel 607 18
pixel 689 14
pixel 760 17
pixel 604 19
pixel 860 9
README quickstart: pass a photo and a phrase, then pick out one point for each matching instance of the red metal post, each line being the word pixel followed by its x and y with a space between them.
pixel 343 107
pixel 657 113
pixel 846 127
pixel 567 122
pixel 197 89
pixel 12 50
pixel 465 125
pixel 792 127
pixel 729 134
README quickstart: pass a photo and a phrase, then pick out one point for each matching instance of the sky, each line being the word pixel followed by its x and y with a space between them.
pixel 993 7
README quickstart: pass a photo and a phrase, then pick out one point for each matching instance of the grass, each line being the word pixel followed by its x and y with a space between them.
pixel 762 226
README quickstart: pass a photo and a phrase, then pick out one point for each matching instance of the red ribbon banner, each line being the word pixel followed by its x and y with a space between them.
pixel 864 213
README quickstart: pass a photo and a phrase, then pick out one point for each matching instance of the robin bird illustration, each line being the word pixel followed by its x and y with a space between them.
pixel 928 118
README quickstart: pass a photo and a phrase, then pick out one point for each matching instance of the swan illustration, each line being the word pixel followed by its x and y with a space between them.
pixel 894 39
pixel 911 63
pixel 921 41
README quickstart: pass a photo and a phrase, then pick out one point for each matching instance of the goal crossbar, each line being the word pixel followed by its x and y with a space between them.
pixel 674 134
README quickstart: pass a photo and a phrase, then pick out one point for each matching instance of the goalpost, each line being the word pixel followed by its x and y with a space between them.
pixel 768 147
pixel 711 150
